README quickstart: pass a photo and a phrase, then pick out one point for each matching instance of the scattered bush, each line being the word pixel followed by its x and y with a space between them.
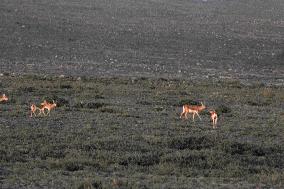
pixel 97 184
pixel 108 110
pixel 223 109
pixel 235 84
pixel 79 105
pixel 193 143
pixel 52 153
pixel 234 148
pixel 94 105
pixel 267 93
pixel 258 103
pixel 66 86
pixel 27 89
pixel 197 160
pixel 141 160
pixel 144 103
pixel 158 108
pixel 61 102
pixel 188 101
pixel 73 166
pixel 88 184
pixel 280 55
pixel 238 148
pixel 6 74
pixel 99 96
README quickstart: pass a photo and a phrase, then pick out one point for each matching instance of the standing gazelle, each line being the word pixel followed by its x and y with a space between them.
pixel 48 106
pixel 33 110
pixel 194 109
pixel 214 118
pixel 3 98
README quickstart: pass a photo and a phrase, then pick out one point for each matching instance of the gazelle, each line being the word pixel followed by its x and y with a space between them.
pixel 194 109
pixel 214 118
pixel 33 110
pixel 3 98
pixel 48 106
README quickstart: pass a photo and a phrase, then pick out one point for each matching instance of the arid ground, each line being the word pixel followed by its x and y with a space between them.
pixel 120 71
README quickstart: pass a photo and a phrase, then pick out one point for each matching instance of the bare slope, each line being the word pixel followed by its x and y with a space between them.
pixel 238 39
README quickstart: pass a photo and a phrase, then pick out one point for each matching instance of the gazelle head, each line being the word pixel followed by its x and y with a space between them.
pixel 212 112
pixel 202 106
pixel 54 104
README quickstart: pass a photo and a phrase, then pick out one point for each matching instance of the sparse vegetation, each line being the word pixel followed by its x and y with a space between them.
pixel 114 141
pixel 119 71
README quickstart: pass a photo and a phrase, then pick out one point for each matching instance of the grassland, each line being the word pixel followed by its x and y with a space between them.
pixel 120 71
pixel 126 133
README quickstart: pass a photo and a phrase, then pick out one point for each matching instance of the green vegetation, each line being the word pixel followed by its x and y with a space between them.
pixel 126 133
pixel 121 128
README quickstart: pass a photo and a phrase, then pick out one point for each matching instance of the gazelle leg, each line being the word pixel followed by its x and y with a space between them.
pixel 186 115
pixel 198 115
pixel 45 113
pixel 183 114
pixel 42 112
pixel 38 113
pixel 215 123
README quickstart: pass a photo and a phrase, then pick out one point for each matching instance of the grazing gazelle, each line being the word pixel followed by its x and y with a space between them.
pixel 3 98
pixel 33 110
pixel 194 109
pixel 48 106
pixel 214 118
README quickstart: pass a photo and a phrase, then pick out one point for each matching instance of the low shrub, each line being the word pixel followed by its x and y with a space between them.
pixel 94 105
pixel 223 109
pixel 73 166
pixel 188 101
pixel 148 159
pixel 65 86
pixel 192 142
